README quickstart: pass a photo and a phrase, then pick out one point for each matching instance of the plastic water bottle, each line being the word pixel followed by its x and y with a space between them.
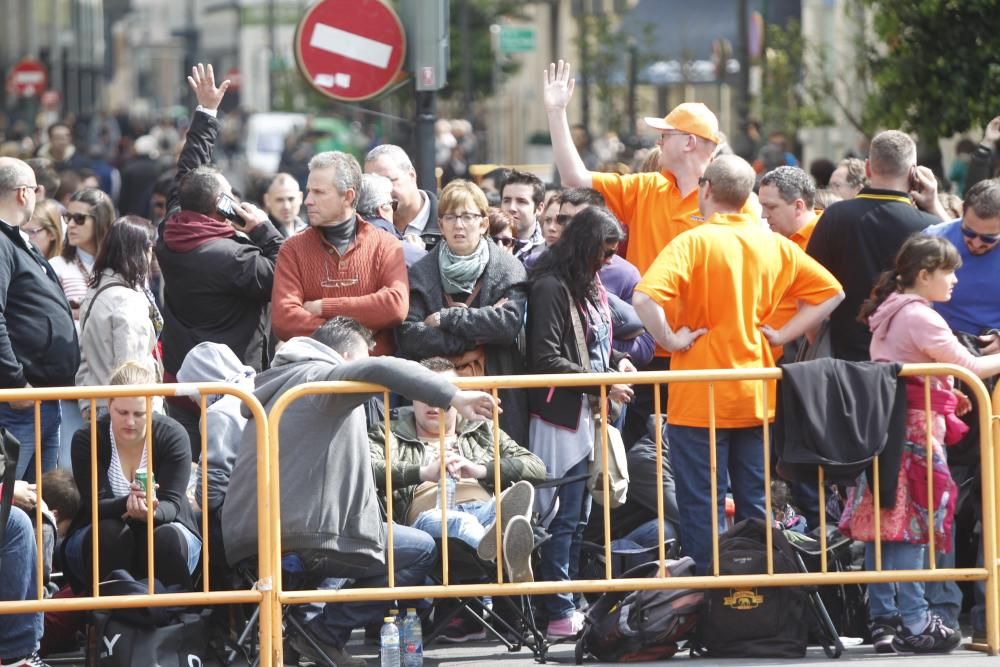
pixel 389 647
pixel 449 493
pixel 413 643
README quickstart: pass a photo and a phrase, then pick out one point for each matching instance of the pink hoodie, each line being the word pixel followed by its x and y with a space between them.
pixel 905 328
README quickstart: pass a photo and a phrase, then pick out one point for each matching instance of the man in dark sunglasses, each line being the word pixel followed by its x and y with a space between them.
pixel 974 306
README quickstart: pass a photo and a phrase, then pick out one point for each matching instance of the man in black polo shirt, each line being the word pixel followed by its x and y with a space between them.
pixel 858 239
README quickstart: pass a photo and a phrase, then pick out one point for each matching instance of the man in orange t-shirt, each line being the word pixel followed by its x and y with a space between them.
pixel 787 195
pixel 719 284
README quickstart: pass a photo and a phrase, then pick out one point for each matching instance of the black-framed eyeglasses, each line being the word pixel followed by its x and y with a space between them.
pixel 985 238
pixel 702 180
pixel 505 241
pixel 78 218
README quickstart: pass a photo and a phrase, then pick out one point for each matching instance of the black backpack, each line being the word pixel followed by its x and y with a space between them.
pixel 747 622
pixel 640 626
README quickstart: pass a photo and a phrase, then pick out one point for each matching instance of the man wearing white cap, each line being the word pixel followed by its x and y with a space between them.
pixel 655 207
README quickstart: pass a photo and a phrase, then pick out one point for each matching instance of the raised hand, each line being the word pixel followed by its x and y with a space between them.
pixel 992 134
pixel 202 82
pixel 559 86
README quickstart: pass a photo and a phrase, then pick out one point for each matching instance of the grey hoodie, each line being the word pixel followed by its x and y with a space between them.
pixel 328 498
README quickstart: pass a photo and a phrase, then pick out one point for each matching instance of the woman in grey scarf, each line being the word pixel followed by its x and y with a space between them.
pixel 467 302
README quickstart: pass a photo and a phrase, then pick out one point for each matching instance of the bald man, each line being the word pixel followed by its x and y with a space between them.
pixel 705 299
pixel 282 201
pixel 38 343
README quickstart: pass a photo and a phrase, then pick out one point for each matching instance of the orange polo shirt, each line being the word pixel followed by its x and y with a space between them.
pixel 729 276
pixel 788 307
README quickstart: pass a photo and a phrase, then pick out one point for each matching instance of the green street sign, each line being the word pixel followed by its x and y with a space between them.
pixel 516 39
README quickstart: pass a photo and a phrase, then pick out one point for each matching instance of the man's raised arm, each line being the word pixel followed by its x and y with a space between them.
pixel 203 130
pixel 557 93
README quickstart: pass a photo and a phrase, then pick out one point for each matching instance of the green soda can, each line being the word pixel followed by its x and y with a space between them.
pixel 145 480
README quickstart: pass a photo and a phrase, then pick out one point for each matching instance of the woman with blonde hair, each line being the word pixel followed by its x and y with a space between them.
pixel 45 228
pixel 122 459
pixel 467 301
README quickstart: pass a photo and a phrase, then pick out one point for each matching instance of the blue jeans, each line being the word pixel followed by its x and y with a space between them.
pixel 740 452
pixel 21 425
pixel 414 554
pixel 906 598
pixel 560 558
pixel 466 522
pixel 19 633
pixel 646 535
pixel 944 598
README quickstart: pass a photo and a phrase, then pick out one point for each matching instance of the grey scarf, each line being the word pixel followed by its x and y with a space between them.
pixel 459 273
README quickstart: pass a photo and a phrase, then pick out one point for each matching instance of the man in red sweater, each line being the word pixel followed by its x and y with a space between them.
pixel 341 265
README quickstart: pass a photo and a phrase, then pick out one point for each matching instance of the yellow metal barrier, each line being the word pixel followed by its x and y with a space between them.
pixel 260 595
pixel 270 596
pixel 988 573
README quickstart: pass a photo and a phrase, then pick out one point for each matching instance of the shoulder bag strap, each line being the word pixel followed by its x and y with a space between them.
pixel 90 307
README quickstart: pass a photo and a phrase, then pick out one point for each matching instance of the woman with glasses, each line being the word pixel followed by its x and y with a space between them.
pixel 467 301
pixel 569 331
pixel 89 215
pixel 45 228
pixel 119 320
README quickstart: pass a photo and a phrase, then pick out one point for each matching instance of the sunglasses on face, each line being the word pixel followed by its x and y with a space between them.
pixel 78 218
pixel 505 241
pixel 985 238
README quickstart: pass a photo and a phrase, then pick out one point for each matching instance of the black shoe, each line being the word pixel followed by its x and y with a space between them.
pixel 884 631
pixel 935 638
pixel 461 629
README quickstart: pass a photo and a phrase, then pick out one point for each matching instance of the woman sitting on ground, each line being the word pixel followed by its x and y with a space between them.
pixel 122 501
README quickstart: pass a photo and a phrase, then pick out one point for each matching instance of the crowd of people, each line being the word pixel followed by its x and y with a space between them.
pixel 700 260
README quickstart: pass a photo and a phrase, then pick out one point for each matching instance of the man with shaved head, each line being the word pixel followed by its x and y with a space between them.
pixel 282 202
pixel 38 343
pixel 706 299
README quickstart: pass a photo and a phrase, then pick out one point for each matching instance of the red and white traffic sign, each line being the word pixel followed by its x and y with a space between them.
pixel 350 50
pixel 28 78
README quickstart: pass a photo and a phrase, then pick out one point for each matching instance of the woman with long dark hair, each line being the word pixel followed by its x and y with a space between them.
pixel 119 320
pixel 89 216
pixel 569 331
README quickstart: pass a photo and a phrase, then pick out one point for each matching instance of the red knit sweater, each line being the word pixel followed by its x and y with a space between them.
pixel 368 284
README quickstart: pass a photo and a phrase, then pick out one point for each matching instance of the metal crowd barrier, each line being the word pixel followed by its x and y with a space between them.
pixel 987 573
pixel 259 595
pixel 271 597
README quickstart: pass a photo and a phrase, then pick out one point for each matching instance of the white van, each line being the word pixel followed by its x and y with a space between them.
pixel 266 134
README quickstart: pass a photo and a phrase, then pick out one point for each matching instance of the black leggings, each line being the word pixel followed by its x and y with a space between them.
pixel 123 547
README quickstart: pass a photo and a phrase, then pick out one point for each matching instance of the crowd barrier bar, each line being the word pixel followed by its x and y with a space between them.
pixel 988 573
pixel 260 594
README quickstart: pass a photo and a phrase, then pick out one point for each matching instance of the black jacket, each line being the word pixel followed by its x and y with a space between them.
pixel 840 415
pixel 856 240
pixel 552 348
pixel 38 342
pixel 221 290
pixel 500 330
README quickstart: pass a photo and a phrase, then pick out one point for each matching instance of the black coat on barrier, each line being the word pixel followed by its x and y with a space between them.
pixel 840 415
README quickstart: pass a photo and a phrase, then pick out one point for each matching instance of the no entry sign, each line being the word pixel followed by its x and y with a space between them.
pixel 350 50
pixel 28 78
